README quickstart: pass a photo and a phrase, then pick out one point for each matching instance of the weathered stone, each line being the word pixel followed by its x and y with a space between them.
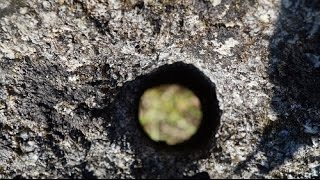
pixel 69 70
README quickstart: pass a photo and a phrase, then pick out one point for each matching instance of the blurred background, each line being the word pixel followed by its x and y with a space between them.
pixel 170 113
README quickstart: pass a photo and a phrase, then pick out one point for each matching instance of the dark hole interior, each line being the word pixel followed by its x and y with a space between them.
pixel 192 78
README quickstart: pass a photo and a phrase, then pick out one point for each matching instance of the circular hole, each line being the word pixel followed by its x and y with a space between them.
pixel 170 113
pixel 184 83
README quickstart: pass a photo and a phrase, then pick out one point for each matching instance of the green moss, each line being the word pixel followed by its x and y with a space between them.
pixel 170 113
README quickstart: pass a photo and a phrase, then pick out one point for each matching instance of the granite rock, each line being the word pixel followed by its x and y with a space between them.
pixel 69 73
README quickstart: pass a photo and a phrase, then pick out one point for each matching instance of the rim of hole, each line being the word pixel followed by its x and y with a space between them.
pixel 186 75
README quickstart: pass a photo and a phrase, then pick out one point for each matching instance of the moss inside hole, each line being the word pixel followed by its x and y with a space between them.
pixel 176 104
pixel 170 113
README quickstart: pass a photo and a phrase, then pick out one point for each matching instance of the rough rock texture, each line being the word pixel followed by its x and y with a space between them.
pixel 68 76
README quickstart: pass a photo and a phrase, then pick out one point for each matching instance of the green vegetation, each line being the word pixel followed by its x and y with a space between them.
pixel 170 113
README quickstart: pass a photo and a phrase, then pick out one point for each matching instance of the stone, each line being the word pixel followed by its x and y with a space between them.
pixel 70 70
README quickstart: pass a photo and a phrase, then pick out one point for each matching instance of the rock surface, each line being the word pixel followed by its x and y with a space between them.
pixel 68 77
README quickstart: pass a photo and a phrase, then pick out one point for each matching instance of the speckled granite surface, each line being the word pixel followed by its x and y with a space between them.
pixel 69 69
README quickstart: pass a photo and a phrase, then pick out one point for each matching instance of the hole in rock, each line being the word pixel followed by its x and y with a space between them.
pixel 178 106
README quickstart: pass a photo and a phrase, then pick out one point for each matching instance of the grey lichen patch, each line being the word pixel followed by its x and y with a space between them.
pixel 4 4
pixel 8 7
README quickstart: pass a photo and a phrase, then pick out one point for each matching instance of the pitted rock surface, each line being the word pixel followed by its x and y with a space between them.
pixel 69 72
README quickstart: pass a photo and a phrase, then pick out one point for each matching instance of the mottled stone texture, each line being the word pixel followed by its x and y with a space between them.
pixel 69 74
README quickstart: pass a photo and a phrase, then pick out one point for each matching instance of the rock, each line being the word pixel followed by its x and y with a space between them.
pixel 70 73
